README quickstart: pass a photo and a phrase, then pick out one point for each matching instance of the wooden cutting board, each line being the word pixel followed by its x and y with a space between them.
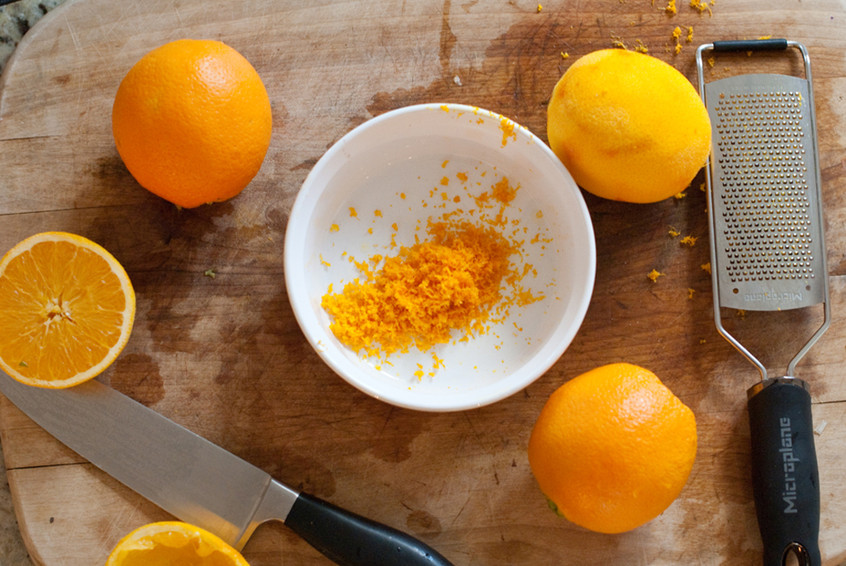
pixel 225 357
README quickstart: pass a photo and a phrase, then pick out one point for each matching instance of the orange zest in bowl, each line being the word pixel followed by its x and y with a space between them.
pixel 422 294
pixel 451 286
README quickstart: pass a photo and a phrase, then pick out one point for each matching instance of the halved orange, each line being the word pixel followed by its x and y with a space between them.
pixel 66 310
pixel 173 542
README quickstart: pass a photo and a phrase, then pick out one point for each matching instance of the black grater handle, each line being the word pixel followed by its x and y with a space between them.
pixel 785 477
pixel 751 45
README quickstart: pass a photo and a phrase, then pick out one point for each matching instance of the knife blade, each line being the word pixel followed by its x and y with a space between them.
pixel 200 482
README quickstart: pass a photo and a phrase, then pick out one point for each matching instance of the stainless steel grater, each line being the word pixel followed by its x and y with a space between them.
pixel 768 254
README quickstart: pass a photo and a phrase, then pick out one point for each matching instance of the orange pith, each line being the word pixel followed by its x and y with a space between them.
pixel 612 448
pixel 192 122
pixel 66 310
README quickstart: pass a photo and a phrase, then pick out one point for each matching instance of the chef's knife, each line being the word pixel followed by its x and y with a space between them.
pixel 200 482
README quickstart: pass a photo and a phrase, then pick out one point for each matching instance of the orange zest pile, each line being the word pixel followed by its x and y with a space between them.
pixel 425 292
pixel 450 287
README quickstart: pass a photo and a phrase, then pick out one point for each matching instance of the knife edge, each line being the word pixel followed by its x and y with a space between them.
pixel 183 473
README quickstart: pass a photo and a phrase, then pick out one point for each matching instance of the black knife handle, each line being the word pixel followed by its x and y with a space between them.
pixel 785 477
pixel 351 540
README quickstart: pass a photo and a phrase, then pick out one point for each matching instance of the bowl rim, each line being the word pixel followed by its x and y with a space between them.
pixel 482 396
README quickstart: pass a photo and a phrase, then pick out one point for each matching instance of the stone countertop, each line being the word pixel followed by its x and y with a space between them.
pixel 15 20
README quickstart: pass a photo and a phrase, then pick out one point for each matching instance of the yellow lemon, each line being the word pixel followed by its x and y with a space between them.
pixel 628 126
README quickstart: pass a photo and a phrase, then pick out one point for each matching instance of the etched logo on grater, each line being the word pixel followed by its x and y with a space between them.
pixel 777 296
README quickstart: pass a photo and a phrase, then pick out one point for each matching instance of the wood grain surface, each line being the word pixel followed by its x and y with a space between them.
pixel 225 357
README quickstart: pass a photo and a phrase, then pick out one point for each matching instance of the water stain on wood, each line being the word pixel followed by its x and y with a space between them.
pixel 139 374
pixel 62 80
pixel 421 521
pixel 393 441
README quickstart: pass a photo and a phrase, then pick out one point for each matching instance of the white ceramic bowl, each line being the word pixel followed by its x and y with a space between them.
pixel 382 173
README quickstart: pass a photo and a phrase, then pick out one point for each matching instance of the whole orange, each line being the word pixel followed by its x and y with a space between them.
pixel 612 448
pixel 192 122
pixel 628 126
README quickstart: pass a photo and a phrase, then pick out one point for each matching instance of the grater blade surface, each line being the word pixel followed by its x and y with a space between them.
pixel 767 233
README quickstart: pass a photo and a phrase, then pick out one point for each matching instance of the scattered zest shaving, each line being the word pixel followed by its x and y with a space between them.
pixel 706 267
pixel 676 35
pixel 702 6
pixel 654 275
pixel 507 127
pixel 688 241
